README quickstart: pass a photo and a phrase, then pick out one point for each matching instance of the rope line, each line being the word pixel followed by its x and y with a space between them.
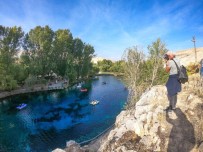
pixel 87 141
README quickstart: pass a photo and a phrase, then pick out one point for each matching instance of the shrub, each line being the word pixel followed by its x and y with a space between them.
pixel 192 68
pixel 31 80
pixel 196 85
pixel 7 83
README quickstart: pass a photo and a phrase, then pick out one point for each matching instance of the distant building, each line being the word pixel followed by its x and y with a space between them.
pixel 96 59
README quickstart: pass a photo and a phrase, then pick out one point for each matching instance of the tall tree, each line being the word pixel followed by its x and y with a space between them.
pixel 78 48
pixel 10 45
pixel 134 59
pixel 38 44
pixel 86 60
pixel 62 51
pixel 156 51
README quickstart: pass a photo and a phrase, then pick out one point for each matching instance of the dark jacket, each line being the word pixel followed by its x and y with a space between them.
pixel 173 85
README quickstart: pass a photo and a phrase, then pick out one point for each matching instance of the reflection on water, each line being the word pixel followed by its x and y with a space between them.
pixel 51 119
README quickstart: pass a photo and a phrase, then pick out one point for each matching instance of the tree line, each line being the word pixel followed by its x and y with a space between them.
pixel 44 52
pixel 109 66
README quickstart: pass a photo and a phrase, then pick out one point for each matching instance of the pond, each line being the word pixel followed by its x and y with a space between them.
pixel 50 119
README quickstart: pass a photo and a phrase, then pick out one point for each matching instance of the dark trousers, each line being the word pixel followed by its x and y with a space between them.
pixel 172 101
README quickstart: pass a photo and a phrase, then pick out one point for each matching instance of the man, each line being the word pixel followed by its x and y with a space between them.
pixel 201 68
pixel 173 85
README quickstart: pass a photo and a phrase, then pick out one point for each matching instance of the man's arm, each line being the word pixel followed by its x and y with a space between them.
pixel 167 67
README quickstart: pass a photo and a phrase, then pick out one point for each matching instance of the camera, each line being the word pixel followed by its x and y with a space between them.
pixel 166 57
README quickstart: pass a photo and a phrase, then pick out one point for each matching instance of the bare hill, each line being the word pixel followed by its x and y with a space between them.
pixel 188 56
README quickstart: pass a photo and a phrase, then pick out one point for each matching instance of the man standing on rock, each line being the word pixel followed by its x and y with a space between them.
pixel 173 85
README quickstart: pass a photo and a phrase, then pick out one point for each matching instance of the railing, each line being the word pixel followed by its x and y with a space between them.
pixel 88 141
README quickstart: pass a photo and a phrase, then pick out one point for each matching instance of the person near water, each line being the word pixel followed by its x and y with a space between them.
pixel 173 85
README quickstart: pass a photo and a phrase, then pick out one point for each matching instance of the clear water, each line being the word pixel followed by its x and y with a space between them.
pixel 51 119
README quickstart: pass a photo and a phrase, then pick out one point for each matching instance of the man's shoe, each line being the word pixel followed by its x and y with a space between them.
pixel 169 108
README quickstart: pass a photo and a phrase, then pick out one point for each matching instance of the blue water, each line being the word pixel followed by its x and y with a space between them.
pixel 51 119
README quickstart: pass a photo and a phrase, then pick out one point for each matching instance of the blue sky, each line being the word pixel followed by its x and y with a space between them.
pixel 111 26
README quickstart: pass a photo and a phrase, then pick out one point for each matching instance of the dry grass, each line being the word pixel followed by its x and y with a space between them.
pixel 195 85
pixel 188 56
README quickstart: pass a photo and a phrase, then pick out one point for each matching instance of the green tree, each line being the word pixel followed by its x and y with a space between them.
pixel 95 69
pixel 62 51
pixel 78 48
pixel 71 72
pixel 133 72
pixel 156 51
pixel 25 62
pixel 141 73
pixel 86 60
pixel 38 45
pixel 10 45
pixel 105 65
pixel 21 73
pixel 118 66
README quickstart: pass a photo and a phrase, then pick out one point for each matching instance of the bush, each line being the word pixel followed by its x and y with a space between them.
pixel 7 83
pixel 19 73
pixel 197 85
pixel 192 68
pixel 42 81
pixel 30 81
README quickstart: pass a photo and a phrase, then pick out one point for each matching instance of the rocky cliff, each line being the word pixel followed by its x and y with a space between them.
pixel 148 127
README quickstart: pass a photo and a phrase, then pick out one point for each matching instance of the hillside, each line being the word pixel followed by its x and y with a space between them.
pixel 188 56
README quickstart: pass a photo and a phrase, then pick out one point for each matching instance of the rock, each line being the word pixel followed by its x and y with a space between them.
pixel 200 148
pixel 127 142
pixel 153 127
pixel 58 150
pixel 72 146
pixel 70 143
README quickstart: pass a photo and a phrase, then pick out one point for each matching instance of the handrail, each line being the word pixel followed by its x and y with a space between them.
pixel 87 141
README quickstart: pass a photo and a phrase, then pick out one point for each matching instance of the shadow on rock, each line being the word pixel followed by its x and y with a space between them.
pixel 182 138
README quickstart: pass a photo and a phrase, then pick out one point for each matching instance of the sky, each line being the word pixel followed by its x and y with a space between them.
pixel 112 26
